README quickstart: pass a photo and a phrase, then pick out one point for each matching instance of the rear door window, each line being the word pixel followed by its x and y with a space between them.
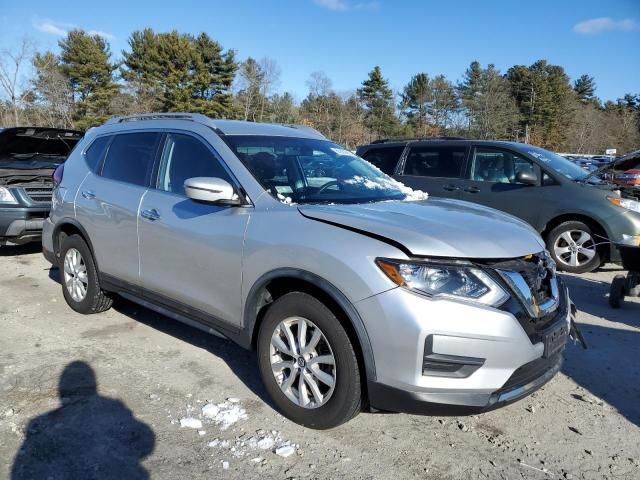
pixel 435 161
pixel 385 158
pixel 130 157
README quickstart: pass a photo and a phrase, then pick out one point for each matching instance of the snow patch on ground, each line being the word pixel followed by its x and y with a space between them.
pixel 226 413
pixel 190 422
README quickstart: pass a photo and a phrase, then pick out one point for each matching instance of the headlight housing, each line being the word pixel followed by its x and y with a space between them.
pixel 627 203
pixel 6 196
pixel 460 282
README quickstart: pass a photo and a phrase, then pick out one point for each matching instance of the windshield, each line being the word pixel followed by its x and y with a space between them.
pixel 304 170
pixel 560 164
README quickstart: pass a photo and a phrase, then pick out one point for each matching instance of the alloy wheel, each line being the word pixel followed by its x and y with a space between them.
pixel 75 275
pixel 302 362
pixel 575 248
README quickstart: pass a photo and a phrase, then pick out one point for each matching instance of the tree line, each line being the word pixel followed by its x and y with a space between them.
pixel 83 85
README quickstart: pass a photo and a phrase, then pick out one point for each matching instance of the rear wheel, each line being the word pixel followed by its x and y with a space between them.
pixel 307 362
pixel 573 247
pixel 79 276
pixel 617 291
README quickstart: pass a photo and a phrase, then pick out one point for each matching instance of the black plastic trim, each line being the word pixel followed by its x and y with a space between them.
pixel 251 309
pixel 182 312
pixel 453 366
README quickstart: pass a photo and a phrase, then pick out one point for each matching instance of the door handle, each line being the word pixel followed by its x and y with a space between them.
pixel 88 194
pixel 451 188
pixel 151 214
pixel 472 189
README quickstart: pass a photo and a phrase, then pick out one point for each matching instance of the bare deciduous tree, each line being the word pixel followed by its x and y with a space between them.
pixel 12 67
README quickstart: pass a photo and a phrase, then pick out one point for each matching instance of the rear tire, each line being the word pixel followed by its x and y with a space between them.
pixel 573 247
pixel 617 291
pixel 335 405
pixel 79 277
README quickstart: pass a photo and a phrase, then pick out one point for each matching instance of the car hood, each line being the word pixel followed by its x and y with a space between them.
pixel 435 227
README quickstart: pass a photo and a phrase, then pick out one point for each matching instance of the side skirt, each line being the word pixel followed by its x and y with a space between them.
pixel 176 310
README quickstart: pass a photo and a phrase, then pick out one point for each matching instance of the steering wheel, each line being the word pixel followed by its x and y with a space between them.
pixel 326 186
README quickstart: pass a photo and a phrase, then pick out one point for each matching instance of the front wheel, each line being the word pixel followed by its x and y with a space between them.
pixel 573 247
pixel 308 363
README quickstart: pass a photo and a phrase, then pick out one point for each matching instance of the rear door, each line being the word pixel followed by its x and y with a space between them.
pixel 107 202
pixel 491 181
pixel 191 252
pixel 435 168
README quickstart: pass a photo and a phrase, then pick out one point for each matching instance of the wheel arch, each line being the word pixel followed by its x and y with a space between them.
pixel 602 240
pixel 68 227
pixel 276 283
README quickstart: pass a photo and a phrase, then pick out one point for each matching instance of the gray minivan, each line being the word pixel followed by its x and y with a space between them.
pixel 579 216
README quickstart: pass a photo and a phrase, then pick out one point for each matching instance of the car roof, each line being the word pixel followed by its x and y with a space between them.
pixel 221 126
pixel 440 140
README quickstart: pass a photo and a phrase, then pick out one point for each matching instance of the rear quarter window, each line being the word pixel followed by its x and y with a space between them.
pixel 95 153
pixel 385 158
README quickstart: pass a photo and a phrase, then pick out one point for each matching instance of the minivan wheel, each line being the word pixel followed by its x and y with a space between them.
pixel 308 363
pixel 573 246
pixel 80 283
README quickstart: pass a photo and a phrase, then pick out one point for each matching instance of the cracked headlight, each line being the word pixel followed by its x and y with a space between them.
pixel 452 281
pixel 6 196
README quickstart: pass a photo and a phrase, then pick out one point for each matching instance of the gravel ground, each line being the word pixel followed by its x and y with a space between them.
pixel 154 374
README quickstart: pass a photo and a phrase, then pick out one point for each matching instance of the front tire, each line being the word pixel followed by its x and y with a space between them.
pixel 79 277
pixel 573 246
pixel 308 363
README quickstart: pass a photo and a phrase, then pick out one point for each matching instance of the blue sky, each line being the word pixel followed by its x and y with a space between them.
pixel 346 38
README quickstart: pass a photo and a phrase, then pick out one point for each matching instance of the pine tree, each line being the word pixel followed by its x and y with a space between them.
pixel 86 62
pixel 416 98
pixel 585 88
pixel 181 72
pixel 377 98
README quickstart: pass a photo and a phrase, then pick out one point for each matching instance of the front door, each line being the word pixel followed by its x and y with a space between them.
pixel 491 181
pixel 191 252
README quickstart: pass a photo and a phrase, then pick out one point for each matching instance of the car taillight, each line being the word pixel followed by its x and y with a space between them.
pixel 57 175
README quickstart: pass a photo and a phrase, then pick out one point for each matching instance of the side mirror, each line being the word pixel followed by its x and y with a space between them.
pixel 211 190
pixel 527 178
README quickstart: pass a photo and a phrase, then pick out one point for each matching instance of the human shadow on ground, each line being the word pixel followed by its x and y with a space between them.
pixel 89 436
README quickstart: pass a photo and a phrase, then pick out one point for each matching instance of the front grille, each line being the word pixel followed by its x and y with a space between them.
pixel 531 269
pixel 538 272
pixel 40 193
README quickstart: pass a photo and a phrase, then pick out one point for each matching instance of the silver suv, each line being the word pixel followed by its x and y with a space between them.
pixel 354 290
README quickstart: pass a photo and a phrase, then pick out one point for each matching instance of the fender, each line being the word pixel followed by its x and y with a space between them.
pixel 251 303
pixel 71 221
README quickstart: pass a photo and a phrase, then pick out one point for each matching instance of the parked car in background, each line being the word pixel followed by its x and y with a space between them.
pixel 28 157
pixel 626 170
pixel 283 241
pixel 579 216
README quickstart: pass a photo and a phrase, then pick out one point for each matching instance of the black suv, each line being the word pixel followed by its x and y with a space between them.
pixel 28 158
pixel 579 215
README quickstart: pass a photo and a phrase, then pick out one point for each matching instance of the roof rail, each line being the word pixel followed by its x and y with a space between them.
pixel 412 139
pixel 194 117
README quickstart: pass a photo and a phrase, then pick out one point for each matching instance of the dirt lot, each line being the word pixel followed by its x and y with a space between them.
pixel 152 372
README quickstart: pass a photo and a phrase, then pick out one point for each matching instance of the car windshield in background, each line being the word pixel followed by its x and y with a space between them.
pixel 560 164
pixel 303 170
pixel 29 149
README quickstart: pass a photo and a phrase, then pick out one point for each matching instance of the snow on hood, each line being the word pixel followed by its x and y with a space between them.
pixel 437 227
